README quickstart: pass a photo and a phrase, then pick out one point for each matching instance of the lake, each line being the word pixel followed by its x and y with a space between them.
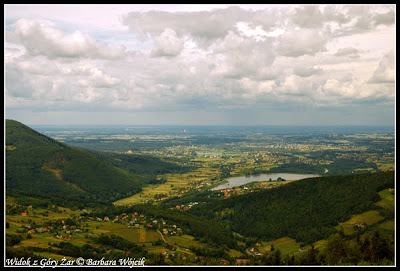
pixel 238 181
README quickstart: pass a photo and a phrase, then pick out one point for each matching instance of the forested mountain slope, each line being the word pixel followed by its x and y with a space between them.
pixel 307 210
pixel 39 165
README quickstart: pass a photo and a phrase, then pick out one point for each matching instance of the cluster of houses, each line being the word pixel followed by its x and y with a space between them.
pixel 140 221
pixel 228 192
pixel 69 230
pixel 184 207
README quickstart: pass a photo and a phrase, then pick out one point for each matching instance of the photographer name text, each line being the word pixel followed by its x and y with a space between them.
pixel 79 261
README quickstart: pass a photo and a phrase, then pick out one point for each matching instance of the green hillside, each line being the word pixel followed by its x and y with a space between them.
pixel 41 166
pixel 307 210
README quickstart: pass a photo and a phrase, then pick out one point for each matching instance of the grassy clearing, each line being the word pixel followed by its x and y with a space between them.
pixel 285 244
pixel 185 241
pixel 234 253
pixel 132 234
pixel 174 183
pixel 387 225
pixel 385 166
pixel 364 169
pixel 56 172
pixel 39 241
pixel 387 199
pixel 367 218
pixel 321 244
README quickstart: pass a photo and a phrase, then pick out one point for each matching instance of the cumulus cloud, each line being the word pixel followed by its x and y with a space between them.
pixel 42 38
pixel 296 43
pixel 384 18
pixel 308 16
pixel 240 56
pixel 226 58
pixel 348 51
pixel 167 44
pixel 204 26
pixel 385 71
pixel 306 71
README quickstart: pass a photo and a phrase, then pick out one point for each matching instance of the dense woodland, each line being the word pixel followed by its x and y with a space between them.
pixel 307 210
pixel 38 165
pixel 43 172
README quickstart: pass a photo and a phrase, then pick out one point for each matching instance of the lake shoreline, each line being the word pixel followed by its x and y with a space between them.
pixel 242 180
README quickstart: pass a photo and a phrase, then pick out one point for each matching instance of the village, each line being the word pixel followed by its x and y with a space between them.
pixel 66 229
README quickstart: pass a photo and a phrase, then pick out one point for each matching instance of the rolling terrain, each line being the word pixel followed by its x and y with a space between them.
pixel 329 220
pixel 39 165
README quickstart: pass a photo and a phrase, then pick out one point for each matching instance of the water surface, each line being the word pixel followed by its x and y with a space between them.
pixel 238 181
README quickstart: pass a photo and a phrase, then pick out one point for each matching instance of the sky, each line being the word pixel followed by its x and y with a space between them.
pixel 200 64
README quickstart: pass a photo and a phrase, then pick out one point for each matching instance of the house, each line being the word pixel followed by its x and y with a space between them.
pixel 225 262
pixel 40 230
pixel 106 218
pixel 31 231
pixel 24 214
pixel 242 261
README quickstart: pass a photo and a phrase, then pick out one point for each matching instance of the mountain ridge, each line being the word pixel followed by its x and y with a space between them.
pixel 39 165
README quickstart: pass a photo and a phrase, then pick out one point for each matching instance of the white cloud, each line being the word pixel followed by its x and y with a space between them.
pixel 308 16
pixel 167 44
pixel 226 58
pixel 295 42
pixel 42 38
pixel 348 51
pixel 385 72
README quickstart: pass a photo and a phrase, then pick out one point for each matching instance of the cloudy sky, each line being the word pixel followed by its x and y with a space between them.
pixel 200 64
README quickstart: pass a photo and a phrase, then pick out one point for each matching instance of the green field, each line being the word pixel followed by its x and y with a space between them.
pixel 174 184
pixel 387 225
pixel 285 244
pixel 366 218
pixel 387 199
pixel 185 241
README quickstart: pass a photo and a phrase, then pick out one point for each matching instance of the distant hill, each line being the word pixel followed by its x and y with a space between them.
pixel 306 210
pixel 39 165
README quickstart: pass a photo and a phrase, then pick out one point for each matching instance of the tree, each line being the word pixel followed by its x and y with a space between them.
pixel 311 256
pixel 277 257
pixel 336 249
pixel 272 247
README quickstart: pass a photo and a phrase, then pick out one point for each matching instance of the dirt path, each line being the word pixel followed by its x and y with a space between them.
pixel 177 248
